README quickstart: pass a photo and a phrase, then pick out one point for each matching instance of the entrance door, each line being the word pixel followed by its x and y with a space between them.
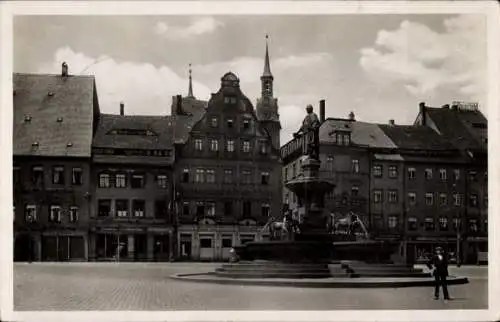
pixel 207 249
pixel 24 249
pixel 185 246
pixel 162 247
pixel 49 248
pixel 77 248
pixel 227 244
pixel 140 247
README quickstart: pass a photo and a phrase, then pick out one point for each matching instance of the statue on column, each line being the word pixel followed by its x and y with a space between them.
pixel 310 124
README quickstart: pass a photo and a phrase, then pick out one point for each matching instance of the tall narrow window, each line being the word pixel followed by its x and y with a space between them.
pixel 228 176
pixel 247 208
pixel 214 122
pixel 185 175
pixel 412 173
pixel 210 208
pixel 457 199
pixel 246 124
pixel 355 166
pixel 443 174
pixel 456 174
pixel 161 210
pixel 443 199
pixel 200 208
pixel 185 208
pixel 77 176
pixel 137 181
pixel 412 198
pixel 393 171
pixel 354 191
pixel 37 175
pixel 443 223
pixel 377 196
pixel 121 180
pixel 265 210
pixel 246 146
pixel 230 145
pixel 429 198
pixel 473 200
pixel 228 208
pixel 200 175
pixel 30 213
pixel 104 180
pixel 210 176
pixel 412 223
pixel 429 224
pixel 230 123
pixel 428 174
pixel 214 145
pixel 55 214
pixel 162 181
pixel 58 175
pixel 392 222
pixel 393 196
pixel 264 178
pixel 377 171
pixel 263 147
pixel 73 214
pixel 247 176
pixel 104 207
pixel 198 144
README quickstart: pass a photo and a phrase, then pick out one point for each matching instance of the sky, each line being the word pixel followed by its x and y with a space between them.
pixel 378 66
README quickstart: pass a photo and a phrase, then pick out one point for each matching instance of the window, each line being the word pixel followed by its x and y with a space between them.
pixel 412 173
pixel 104 208
pixel 58 175
pixel 137 181
pixel 121 207
pixel 214 145
pixel 198 144
pixel 354 191
pixel 200 176
pixel 77 176
pixel 443 199
pixel 393 222
pixel 286 174
pixel 210 208
pixel 456 174
pixel 228 176
pixel 30 213
pixel 347 139
pixel 443 223
pixel 412 198
pixel 393 171
pixel 121 180
pixel 161 210
pixel 139 208
pixel 230 146
pixel 228 208
pixel 355 166
pixel 246 124
pixel 457 199
pixel 214 122
pixel 246 146
pixel 429 198
pixel 287 198
pixel 263 147
pixel 247 208
pixel 294 170
pixel 161 180
pixel 428 174
pixel 247 176
pixel 227 242
pixel 456 223
pixel 443 175
pixel 104 180
pixel 377 171
pixel 37 175
pixel 229 123
pixel 185 208
pixel 265 210
pixel 473 225
pixel 264 178
pixel 473 200
pixel 472 175
pixel 205 242
pixel 185 175
pixel 210 176
pixel 55 214
pixel 393 196
pixel 377 196
pixel 200 208
pixel 412 223
pixel 429 224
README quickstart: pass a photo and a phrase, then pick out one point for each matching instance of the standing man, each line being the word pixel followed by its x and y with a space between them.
pixel 439 265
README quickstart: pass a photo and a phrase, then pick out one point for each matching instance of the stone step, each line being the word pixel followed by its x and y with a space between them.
pixel 277 271
pixel 275 265
pixel 390 274
pixel 385 269
pixel 273 275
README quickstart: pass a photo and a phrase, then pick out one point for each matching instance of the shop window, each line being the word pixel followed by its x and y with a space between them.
pixel 227 242
pixel 205 242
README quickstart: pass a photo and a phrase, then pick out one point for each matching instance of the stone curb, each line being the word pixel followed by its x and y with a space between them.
pixel 355 283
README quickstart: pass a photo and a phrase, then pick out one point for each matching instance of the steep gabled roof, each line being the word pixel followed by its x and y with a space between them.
pixel 362 133
pixel 53 115
pixel 466 129
pixel 134 132
pixel 416 137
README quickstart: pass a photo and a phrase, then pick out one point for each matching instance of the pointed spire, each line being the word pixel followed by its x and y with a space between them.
pixel 267 66
pixel 190 91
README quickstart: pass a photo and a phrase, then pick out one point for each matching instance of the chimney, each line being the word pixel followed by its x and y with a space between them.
pixel 321 111
pixel 351 116
pixel 122 108
pixel 64 68
pixel 178 105
pixel 446 106
pixel 391 122
pixel 422 112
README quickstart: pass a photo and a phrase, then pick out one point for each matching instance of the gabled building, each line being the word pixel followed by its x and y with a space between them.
pixel 55 117
pixel 228 173
pixel 132 173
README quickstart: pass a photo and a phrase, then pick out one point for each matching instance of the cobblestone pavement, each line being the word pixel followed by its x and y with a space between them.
pixel 136 286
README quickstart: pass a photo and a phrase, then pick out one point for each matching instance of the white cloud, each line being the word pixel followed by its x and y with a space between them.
pixel 144 88
pixel 426 62
pixel 197 27
pixel 148 90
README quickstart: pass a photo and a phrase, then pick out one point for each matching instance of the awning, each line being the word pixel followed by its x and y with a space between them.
pixel 391 157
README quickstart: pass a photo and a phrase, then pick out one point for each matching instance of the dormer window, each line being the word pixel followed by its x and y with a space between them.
pixel 214 122
pixel 59 119
pixel 27 119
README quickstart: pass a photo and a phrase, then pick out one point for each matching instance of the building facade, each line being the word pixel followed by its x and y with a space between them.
pixel 54 119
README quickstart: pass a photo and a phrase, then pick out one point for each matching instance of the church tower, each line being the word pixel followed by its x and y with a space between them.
pixel 267 105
